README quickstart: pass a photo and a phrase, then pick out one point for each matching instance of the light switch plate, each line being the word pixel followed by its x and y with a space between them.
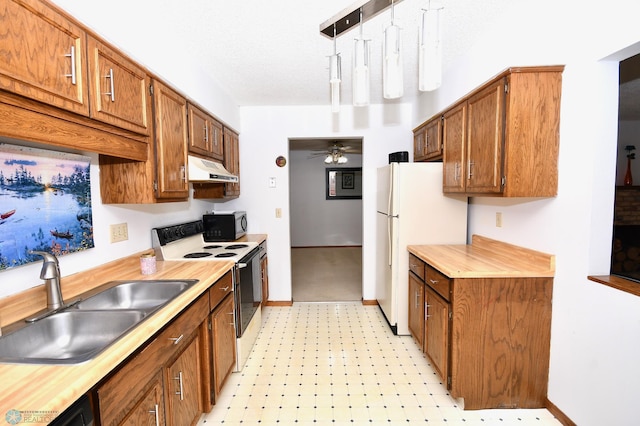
pixel 118 232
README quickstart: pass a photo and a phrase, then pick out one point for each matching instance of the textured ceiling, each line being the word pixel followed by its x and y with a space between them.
pixel 272 52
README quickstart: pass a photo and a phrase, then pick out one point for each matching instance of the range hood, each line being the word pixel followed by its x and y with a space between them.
pixel 203 171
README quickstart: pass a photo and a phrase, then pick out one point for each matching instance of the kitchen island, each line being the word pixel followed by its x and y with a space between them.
pixel 41 392
pixel 482 314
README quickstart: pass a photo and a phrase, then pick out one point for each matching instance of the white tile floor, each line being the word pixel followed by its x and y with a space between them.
pixel 339 363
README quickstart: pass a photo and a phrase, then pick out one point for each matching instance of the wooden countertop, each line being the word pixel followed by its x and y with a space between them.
pixel 486 258
pixel 47 388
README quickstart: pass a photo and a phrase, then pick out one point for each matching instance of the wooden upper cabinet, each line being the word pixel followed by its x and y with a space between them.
pixel 118 89
pixel 42 55
pixel 418 144
pixel 485 113
pixel 454 142
pixel 171 142
pixel 433 139
pixel 205 134
pixel 232 161
pixel 510 136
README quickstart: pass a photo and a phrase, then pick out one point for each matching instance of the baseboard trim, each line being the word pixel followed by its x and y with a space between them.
pixel 369 302
pixel 558 414
pixel 278 303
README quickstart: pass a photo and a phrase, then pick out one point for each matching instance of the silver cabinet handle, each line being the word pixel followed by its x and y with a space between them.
pixel 417 297
pixel 206 134
pixel 179 392
pixel 183 173
pixel 176 340
pixel 72 55
pixel 456 171
pixel 232 323
pixel 433 281
pixel 225 288
pixel 111 85
pixel 470 164
pixel 426 310
pixel 155 413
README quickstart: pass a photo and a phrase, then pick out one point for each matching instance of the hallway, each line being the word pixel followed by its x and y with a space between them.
pixel 326 274
pixel 339 363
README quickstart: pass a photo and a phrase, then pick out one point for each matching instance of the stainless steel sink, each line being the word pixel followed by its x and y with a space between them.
pixel 68 337
pixel 80 332
pixel 144 295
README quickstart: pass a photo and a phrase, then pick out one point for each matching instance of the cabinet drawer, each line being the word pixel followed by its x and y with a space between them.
pixel 220 289
pixel 439 282
pixel 133 379
pixel 416 266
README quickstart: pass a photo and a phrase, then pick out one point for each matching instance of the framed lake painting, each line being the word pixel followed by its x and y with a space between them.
pixel 45 204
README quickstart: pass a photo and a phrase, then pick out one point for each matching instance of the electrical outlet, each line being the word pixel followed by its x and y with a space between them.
pixel 498 219
pixel 272 182
pixel 118 232
pixel 278 212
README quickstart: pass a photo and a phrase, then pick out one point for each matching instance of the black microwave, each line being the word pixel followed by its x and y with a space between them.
pixel 224 226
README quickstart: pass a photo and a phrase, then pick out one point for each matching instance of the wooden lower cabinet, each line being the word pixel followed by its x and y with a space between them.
pixel 223 338
pixel 168 365
pixel 487 338
pixel 416 309
pixel 436 326
pixel 150 408
pixel 182 383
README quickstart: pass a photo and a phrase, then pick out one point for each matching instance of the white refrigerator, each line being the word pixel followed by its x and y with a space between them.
pixel 411 210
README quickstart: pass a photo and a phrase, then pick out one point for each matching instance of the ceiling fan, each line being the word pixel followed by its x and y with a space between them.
pixel 334 154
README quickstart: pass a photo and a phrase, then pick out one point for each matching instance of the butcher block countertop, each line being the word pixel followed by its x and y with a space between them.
pixel 47 390
pixel 486 258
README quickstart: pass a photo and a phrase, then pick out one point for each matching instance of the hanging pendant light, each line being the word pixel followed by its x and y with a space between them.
pixel 361 80
pixel 430 50
pixel 335 76
pixel 392 61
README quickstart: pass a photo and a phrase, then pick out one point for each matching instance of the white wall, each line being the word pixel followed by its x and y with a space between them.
pixel 595 329
pixel 265 135
pixel 316 221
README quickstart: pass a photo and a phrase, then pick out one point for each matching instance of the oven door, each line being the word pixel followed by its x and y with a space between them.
pixel 248 289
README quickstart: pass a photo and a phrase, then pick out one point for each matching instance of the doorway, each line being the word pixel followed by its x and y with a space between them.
pixel 326 233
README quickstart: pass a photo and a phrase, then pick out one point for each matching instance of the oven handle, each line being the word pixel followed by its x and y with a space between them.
pixel 241 265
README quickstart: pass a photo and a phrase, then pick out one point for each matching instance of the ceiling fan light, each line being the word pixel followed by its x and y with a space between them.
pixel 430 51
pixel 328 159
pixel 392 63
pixel 342 159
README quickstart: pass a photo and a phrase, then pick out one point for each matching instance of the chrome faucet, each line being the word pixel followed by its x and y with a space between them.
pixel 50 273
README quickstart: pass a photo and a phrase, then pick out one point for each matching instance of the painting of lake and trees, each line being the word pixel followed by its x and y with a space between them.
pixel 45 204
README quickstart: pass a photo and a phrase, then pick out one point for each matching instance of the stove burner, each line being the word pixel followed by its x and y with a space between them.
pixel 236 246
pixel 196 255
pixel 211 247
pixel 228 254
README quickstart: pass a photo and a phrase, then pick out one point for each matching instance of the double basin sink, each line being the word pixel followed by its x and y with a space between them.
pixel 83 330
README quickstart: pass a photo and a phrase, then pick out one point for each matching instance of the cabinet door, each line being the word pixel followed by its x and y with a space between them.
pixel 232 161
pixel 199 128
pixel 264 270
pixel 150 410
pixel 418 144
pixel 437 332
pixel 223 332
pixel 454 140
pixel 42 55
pixel 433 139
pixel 416 309
pixel 119 89
pixel 182 379
pixel 485 136
pixel 171 142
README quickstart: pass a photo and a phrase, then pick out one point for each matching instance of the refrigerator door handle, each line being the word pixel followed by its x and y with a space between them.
pixel 390 240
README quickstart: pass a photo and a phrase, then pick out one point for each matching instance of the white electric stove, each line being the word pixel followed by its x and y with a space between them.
pixel 185 241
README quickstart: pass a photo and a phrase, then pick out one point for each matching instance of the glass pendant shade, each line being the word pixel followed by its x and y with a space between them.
pixel 430 51
pixel 361 80
pixel 342 160
pixel 335 77
pixel 392 84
